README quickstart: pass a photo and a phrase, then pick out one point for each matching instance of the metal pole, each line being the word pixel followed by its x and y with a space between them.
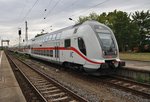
pixel 8 42
pixel 26 31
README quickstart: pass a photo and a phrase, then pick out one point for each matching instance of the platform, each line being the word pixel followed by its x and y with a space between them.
pixel 138 65
pixel 9 87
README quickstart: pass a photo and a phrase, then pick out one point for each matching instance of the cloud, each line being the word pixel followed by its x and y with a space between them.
pixel 15 12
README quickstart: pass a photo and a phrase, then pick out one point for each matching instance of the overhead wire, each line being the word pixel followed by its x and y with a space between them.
pixel 65 7
pixel 46 8
pixel 78 12
pixel 91 7
pixel 52 9
pixel 30 10
pixel 56 4
pixel 71 5
pixel 83 10
pixel 74 2
pixel 45 11
pixel 48 5
pixel 22 10
pixel 19 16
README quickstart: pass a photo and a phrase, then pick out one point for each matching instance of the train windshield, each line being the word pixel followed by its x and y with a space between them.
pixel 105 36
pixel 106 40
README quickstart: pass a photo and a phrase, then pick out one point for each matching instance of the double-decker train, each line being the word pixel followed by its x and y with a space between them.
pixel 90 46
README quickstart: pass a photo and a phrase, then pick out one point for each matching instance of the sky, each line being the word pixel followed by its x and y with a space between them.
pixel 52 15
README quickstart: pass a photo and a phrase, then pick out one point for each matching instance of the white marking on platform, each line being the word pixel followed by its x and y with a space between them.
pixel 1 78
pixel 1 58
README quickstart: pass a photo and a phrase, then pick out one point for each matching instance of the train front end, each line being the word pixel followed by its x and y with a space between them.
pixel 106 52
pixel 109 47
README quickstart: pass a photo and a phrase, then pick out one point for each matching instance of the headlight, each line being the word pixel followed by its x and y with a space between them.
pixel 116 64
pixel 115 52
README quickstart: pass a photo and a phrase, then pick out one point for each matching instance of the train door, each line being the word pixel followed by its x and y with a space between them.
pixel 72 53
pixel 68 54
pixel 57 52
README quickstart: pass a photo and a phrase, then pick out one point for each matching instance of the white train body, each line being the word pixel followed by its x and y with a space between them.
pixel 90 45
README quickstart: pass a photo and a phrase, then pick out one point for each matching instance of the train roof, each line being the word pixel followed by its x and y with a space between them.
pixel 44 37
pixel 70 27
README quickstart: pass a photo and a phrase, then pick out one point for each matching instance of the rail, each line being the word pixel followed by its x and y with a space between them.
pixel 47 88
pixel 128 85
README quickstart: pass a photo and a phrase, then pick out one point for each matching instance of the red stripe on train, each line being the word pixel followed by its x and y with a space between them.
pixel 70 48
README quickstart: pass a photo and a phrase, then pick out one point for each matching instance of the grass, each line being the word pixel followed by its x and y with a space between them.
pixel 135 56
pixel 143 79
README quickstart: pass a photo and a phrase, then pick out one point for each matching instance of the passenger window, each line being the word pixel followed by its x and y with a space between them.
pixel 47 38
pixel 50 37
pixel 51 53
pixel 58 36
pixel 54 37
pixel 67 43
pixel 81 46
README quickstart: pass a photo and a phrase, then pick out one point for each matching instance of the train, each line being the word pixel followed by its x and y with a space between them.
pixel 90 46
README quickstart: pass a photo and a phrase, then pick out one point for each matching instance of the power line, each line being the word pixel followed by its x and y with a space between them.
pixel 30 9
pixel 45 10
pixel 50 11
pixel 75 1
pixel 58 2
pixel 71 5
pixel 92 7
pixel 22 10
pixel 52 8
pixel 19 16
pixel 27 12
pixel 48 4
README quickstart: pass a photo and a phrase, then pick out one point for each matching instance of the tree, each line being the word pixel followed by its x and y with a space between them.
pixel 92 16
pixel 127 31
pixel 121 25
pixel 142 20
pixel 103 18
pixel 82 19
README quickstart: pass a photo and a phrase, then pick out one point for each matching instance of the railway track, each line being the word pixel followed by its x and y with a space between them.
pixel 118 82
pixel 128 85
pixel 47 89
pixel 125 84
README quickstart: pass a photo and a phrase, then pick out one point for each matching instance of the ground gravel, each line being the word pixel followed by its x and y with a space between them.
pixel 86 86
